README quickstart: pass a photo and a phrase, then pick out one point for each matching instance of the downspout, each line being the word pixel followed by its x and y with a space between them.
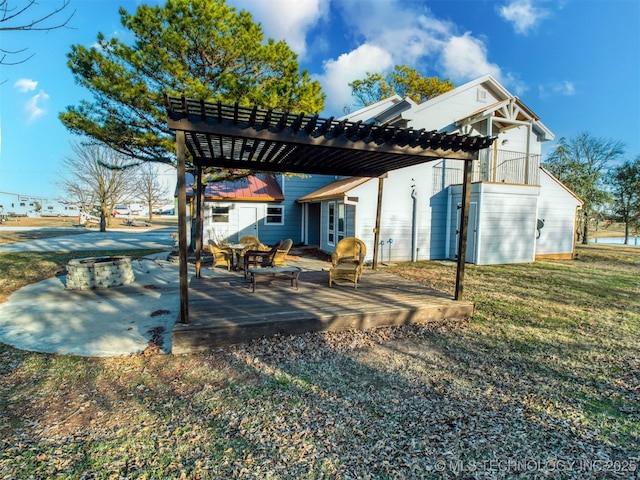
pixel 414 225
pixel 182 228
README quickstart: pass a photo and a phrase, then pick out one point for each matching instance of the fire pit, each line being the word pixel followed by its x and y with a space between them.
pixel 99 272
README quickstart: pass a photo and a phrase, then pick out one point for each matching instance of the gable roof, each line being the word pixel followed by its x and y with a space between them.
pixel 507 111
pixel 339 188
pixel 256 188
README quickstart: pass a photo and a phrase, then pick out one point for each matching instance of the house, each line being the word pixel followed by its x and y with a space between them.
pixel 518 210
pixel 20 205
pixel 262 205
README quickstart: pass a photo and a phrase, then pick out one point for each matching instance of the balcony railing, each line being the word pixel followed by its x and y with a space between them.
pixel 501 166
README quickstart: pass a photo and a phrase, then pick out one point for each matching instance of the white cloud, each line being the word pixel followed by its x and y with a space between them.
pixel 386 33
pixel 286 20
pixel 409 33
pixel 465 58
pixel 33 107
pixel 523 15
pixel 563 88
pixel 347 68
pixel 403 34
pixel 25 85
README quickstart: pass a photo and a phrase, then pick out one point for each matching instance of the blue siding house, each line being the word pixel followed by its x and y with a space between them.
pixel 518 211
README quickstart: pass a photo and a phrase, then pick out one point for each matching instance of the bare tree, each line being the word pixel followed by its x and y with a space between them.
pixel 581 164
pixel 12 19
pixel 148 187
pixel 625 184
pixel 97 174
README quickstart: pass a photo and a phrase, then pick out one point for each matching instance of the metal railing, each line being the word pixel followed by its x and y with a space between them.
pixel 501 166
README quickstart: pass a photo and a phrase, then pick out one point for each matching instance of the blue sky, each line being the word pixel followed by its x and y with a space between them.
pixel 575 63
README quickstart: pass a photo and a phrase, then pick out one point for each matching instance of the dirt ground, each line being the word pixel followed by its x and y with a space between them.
pixel 63 222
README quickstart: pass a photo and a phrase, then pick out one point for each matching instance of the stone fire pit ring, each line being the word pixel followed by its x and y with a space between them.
pixel 99 272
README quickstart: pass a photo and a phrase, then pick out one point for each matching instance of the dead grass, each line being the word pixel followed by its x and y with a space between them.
pixel 544 381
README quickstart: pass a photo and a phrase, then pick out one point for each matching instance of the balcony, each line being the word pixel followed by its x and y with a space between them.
pixel 493 166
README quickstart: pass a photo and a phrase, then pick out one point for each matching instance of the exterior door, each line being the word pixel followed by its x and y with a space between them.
pixel 247 222
pixel 472 233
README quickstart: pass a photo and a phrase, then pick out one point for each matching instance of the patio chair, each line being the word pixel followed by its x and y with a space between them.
pixel 221 256
pixel 347 260
pixel 280 258
pixel 259 256
pixel 249 240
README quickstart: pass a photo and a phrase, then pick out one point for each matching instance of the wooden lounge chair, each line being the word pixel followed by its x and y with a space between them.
pixel 260 256
pixel 347 260
pixel 275 257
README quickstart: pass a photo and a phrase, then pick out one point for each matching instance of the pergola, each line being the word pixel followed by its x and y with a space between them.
pixel 265 140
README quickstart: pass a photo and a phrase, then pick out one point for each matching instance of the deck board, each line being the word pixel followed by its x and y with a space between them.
pixel 224 311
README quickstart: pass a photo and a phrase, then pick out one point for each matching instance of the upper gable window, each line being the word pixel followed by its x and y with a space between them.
pixel 482 95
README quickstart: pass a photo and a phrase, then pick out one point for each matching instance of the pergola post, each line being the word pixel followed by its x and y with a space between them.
pixel 182 227
pixel 198 239
pixel 464 222
pixel 376 230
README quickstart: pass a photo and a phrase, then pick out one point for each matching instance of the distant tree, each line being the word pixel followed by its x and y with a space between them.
pixel 625 184
pixel 581 163
pixel 147 186
pixel 95 174
pixel 203 50
pixel 12 19
pixel 404 81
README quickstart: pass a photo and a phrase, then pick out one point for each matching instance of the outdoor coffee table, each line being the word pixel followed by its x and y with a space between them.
pixel 289 273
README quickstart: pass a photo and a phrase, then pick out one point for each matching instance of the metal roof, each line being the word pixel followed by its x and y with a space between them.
pixel 339 188
pixel 252 188
pixel 252 138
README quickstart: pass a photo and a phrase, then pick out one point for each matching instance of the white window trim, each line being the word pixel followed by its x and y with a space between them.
pixel 228 207
pixel 266 214
pixel 335 217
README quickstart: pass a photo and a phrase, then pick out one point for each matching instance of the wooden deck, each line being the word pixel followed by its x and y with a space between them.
pixel 223 311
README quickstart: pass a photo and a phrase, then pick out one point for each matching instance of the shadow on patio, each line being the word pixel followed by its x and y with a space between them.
pixel 223 311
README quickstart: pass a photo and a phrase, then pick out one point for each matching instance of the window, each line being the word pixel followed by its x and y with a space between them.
pixel 220 214
pixel 331 237
pixel 341 221
pixel 275 216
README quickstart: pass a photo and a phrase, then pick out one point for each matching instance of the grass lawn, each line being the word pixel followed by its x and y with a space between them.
pixel 543 382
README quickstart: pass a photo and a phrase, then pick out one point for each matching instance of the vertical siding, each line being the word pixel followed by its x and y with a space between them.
pixel 396 223
pixel 557 210
pixel 506 222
